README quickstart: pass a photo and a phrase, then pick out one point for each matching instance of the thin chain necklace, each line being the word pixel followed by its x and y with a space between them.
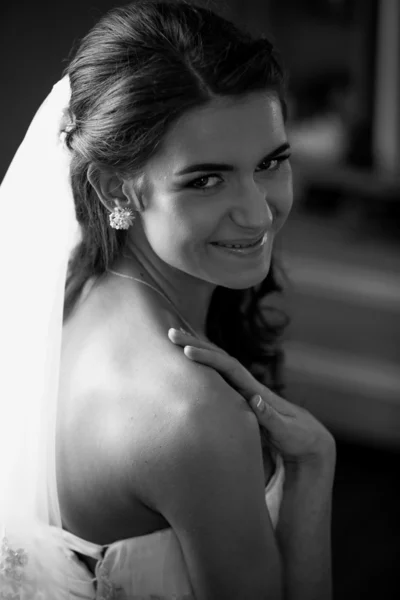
pixel 158 292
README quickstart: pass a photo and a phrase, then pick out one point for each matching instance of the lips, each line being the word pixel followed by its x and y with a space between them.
pixel 243 243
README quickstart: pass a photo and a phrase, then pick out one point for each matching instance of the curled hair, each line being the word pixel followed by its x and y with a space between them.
pixel 133 76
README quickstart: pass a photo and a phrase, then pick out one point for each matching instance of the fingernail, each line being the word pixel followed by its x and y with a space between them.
pixel 259 402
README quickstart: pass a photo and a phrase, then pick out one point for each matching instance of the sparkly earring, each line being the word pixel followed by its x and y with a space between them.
pixel 121 218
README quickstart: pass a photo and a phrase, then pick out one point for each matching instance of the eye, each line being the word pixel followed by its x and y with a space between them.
pixel 274 164
pixel 201 182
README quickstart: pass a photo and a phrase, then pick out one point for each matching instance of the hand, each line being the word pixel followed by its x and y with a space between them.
pixel 292 431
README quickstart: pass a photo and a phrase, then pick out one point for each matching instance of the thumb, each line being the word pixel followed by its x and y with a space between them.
pixel 261 407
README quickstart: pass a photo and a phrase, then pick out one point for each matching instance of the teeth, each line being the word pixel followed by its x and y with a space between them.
pixel 231 246
pixel 236 246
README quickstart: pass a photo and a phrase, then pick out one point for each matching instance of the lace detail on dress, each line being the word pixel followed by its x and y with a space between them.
pixel 12 563
pixel 149 567
pixel 35 565
pixel 106 589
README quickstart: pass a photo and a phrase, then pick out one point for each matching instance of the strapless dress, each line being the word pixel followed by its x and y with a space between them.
pixel 151 566
pixel 46 565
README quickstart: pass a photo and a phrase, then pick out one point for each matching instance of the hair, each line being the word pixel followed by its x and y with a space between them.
pixel 134 74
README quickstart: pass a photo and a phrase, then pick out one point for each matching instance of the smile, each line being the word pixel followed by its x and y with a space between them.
pixel 244 248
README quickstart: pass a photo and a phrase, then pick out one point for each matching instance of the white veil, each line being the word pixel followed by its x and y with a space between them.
pixel 38 231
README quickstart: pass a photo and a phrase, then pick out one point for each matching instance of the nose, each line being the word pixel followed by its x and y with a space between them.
pixel 252 209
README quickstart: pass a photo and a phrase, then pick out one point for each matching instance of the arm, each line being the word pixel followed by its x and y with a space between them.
pixel 205 477
pixel 308 450
pixel 304 531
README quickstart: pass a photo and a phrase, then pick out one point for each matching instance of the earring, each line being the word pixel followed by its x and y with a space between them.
pixel 121 218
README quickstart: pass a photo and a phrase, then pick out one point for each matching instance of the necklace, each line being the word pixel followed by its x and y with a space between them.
pixel 158 292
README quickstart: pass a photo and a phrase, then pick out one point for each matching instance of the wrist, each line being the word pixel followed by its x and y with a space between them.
pixel 321 460
pixel 316 467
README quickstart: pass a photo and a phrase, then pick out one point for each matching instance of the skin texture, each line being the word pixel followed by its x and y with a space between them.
pixel 171 437
pixel 294 433
pixel 308 450
pixel 135 415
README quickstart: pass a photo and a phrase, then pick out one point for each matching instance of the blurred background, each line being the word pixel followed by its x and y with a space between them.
pixel 340 246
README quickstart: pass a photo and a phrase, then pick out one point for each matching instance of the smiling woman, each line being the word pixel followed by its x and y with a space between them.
pixel 228 128
pixel 184 227
pixel 141 473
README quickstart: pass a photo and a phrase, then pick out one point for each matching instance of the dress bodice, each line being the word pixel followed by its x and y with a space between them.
pixel 151 566
pixel 44 564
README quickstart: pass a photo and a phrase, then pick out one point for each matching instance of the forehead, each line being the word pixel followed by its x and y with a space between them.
pixel 226 129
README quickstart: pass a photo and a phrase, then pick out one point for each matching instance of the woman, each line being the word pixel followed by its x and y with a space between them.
pixel 144 476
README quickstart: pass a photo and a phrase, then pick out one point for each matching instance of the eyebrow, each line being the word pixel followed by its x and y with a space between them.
pixel 225 167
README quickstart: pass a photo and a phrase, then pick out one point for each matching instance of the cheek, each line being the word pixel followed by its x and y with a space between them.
pixel 176 228
pixel 282 201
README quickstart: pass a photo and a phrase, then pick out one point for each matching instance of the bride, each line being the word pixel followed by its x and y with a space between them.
pixel 140 363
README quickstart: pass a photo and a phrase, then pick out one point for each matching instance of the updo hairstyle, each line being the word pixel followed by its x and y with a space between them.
pixel 133 76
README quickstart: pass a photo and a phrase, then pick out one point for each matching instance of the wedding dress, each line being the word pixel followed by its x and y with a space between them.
pixel 151 566
pixel 148 567
pixel 38 559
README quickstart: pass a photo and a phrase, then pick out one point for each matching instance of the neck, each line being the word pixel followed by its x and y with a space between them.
pixel 190 296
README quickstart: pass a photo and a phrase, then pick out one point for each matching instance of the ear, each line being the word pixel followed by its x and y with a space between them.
pixel 113 190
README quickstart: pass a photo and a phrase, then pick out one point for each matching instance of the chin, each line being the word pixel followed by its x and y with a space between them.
pixel 243 280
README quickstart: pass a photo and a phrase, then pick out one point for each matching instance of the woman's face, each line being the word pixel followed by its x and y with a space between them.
pixel 222 177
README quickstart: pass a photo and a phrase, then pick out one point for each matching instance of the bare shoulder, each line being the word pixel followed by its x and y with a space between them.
pixel 174 436
pixel 204 474
pixel 154 410
pixel 188 413
pixel 187 447
pixel 127 390
pixel 132 404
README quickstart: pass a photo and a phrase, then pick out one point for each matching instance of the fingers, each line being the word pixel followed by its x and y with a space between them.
pixel 268 400
pixel 266 412
pixel 279 404
pixel 210 355
pixel 290 429
pixel 230 369
pixel 261 408
pixel 183 338
pixel 206 356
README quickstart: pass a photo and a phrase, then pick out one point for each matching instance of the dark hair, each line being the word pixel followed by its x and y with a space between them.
pixel 136 72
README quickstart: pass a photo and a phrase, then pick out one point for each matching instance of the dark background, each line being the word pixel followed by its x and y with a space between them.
pixel 340 246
